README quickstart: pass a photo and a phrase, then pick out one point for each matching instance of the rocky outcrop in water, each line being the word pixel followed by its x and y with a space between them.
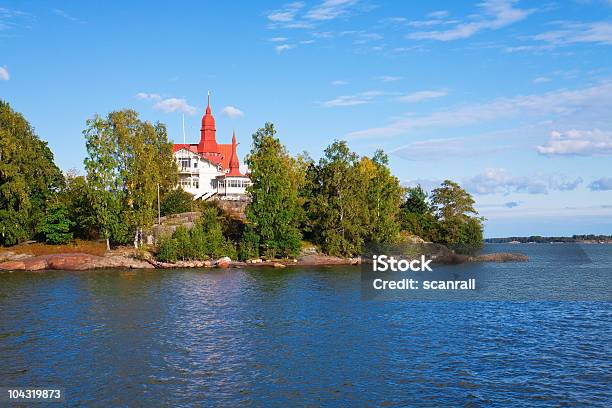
pixel 73 262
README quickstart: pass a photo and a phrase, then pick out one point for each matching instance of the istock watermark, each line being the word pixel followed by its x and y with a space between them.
pixel 384 263
pixel 435 272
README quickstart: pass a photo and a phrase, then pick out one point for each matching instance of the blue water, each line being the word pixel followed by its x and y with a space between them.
pixel 299 337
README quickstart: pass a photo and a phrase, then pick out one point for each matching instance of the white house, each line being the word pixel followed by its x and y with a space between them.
pixel 209 169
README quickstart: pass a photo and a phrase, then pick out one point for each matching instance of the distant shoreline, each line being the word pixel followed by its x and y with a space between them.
pixel 537 239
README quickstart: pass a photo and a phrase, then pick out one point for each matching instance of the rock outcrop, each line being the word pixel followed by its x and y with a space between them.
pixel 500 257
pixel 74 262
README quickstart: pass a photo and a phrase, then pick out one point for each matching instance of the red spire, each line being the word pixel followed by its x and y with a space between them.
pixel 208 133
pixel 234 164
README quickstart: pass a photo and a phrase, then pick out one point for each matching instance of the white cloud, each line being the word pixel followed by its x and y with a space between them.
pixel 4 74
pixel 167 105
pixel 494 181
pixel 294 15
pixel 352 100
pixel 587 104
pixel 421 96
pixel 569 33
pixel 339 82
pixel 389 78
pixel 577 143
pixel 148 96
pixel 65 15
pixel 330 9
pixel 496 14
pixel 232 112
pixel 541 80
pixel 10 18
pixel 279 39
pixel 602 184
pixel 438 14
pixel 446 149
pixel 174 105
pixel 287 13
pixel 282 48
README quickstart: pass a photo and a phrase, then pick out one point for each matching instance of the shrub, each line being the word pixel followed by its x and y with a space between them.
pixel 176 202
pixel 55 225
pixel 249 245
pixel 168 250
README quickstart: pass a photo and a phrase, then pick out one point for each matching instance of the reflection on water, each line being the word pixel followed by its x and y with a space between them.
pixel 297 337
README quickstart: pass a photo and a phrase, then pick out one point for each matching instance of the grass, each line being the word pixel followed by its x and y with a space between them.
pixel 86 247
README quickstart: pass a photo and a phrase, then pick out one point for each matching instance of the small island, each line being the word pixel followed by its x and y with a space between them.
pixel 537 239
pixel 145 202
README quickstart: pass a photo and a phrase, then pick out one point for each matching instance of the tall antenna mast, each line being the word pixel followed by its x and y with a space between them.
pixel 184 140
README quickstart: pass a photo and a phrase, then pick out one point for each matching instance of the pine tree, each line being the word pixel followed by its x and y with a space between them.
pixel 56 225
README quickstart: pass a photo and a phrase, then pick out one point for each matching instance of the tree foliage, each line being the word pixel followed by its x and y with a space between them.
pixel 351 200
pixel 176 201
pixel 274 213
pixel 28 177
pixel 56 225
pixel 126 161
pixel 449 217
pixel 206 240
pixel 454 208
pixel 383 196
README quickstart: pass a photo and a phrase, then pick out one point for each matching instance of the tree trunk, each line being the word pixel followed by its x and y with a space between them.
pixel 107 244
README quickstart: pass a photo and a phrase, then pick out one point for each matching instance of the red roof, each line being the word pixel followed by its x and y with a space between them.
pixel 178 146
pixel 209 149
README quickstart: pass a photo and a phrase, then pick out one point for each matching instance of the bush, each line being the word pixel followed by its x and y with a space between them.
pixel 249 245
pixel 176 202
pixel 204 241
pixel 168 250
pixel 55 226
pixel 183 243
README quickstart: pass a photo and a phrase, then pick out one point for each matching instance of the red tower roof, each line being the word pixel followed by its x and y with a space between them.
pixel 208 133
pixel 234 164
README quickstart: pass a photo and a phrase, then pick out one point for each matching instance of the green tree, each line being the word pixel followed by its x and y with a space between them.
pixel 416 200
pixel 248 247
pixel 127 160
pixel 167 249
pixel 454 208
pixel 56 225
pixel 416 216
pixel 176 201
pixel 76 196
pixel 471 234
pixel 384 196
pixel 338 207
pixel 28 177
pixel 274 213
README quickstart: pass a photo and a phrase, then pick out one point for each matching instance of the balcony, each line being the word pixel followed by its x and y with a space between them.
pixel 188 170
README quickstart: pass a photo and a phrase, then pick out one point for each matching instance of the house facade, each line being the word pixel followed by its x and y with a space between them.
pixel 210 170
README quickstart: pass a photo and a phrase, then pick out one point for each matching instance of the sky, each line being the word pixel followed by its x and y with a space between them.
pixel 512 99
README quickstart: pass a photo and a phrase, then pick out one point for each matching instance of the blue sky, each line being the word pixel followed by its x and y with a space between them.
pixel 513 99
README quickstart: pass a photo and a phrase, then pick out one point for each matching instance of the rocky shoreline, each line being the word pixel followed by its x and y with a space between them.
pixel 10 261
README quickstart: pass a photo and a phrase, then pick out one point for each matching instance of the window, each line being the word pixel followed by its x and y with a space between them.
pixel 196 183
pixel 185 164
